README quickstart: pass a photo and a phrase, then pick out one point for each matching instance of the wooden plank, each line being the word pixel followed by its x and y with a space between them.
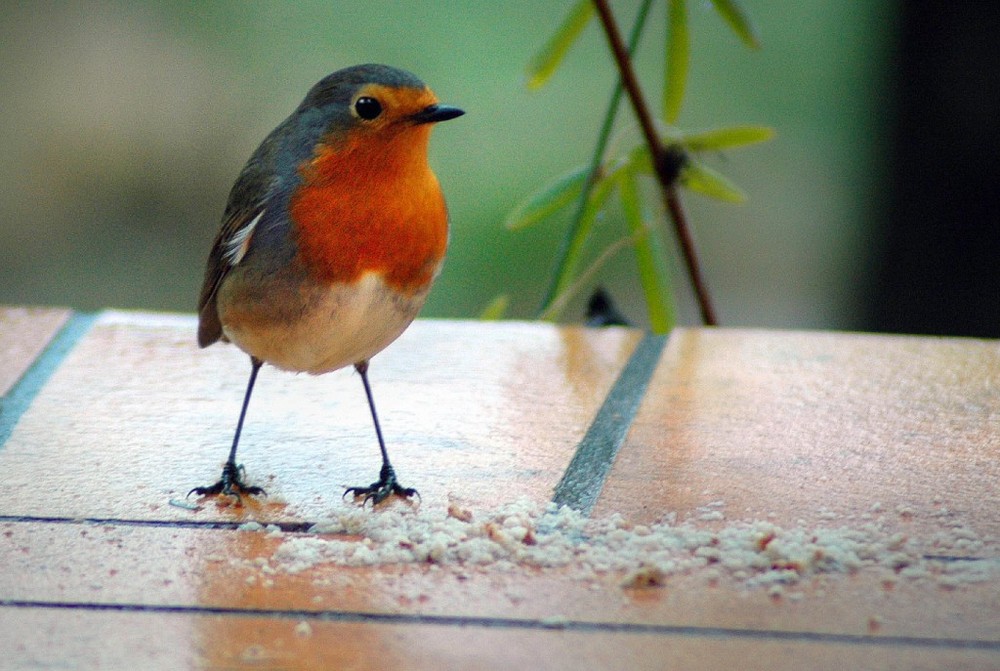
pixel 891 437
pixel 584 478
pixel 140 415
pixel 823 429
pixel 24 333
pixel 164 566
pixel 58 638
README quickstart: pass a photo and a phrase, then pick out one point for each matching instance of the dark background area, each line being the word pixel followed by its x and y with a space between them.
pixel 938 267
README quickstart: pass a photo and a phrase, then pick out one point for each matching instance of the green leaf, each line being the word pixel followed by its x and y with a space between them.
pixel 548 200
pixel 678 60
pixel 650 261
pixel 702 179
pixel 496 309
pixel 595 162
pixel 639 159
pixel 733 14
pixel 726 138
pixel 574 253
pixel 545 62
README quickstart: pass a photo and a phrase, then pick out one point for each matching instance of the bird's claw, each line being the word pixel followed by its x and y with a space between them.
pixel 379 491
pixel 230 484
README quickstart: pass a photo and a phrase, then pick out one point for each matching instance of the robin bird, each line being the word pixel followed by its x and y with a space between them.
pixel 333 234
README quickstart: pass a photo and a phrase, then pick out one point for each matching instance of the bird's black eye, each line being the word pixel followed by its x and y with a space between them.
pixel 367 108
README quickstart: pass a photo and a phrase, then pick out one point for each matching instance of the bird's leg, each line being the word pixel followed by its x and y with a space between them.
pixel 231 483
pixel 387 483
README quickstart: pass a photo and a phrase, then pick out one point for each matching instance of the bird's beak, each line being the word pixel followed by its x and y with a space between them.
pixel 436 112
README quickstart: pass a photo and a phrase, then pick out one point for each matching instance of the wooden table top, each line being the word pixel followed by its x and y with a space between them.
pixel 731 499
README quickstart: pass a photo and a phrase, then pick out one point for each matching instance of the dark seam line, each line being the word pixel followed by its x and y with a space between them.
pixel 516 623
pixel 583 480
pixel 286 527
pixel 23 393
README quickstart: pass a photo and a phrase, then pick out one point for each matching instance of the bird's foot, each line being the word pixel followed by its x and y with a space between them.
pixel 379 491
pixel 230 484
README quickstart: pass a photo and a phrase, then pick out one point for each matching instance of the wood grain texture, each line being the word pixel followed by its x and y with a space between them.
pixel 817 427
pixel 102 568
pixel 210 569
pixel 142 416
pixel 64 639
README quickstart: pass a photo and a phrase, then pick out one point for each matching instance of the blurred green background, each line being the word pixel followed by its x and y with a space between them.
pixel 125 124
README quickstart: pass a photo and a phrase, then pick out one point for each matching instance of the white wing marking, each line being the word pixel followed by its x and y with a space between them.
pixel 237 246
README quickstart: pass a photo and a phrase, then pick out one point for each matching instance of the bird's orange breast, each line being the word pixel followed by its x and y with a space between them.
pixel 370 203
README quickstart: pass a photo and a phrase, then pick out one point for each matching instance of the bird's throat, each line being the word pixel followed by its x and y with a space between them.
pixel 372 205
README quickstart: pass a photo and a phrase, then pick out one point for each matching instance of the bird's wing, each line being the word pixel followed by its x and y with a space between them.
pixel 254 192
pixel 228 250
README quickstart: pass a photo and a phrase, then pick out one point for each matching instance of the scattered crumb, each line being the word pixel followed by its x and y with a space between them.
pixel 186 505
pixel 948 582
pixel 752 555
pixel 897 542
pixel 645 576
pixel 459 513
pixel 303 629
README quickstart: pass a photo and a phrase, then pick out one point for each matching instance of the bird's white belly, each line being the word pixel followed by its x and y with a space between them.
pixel 340 326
